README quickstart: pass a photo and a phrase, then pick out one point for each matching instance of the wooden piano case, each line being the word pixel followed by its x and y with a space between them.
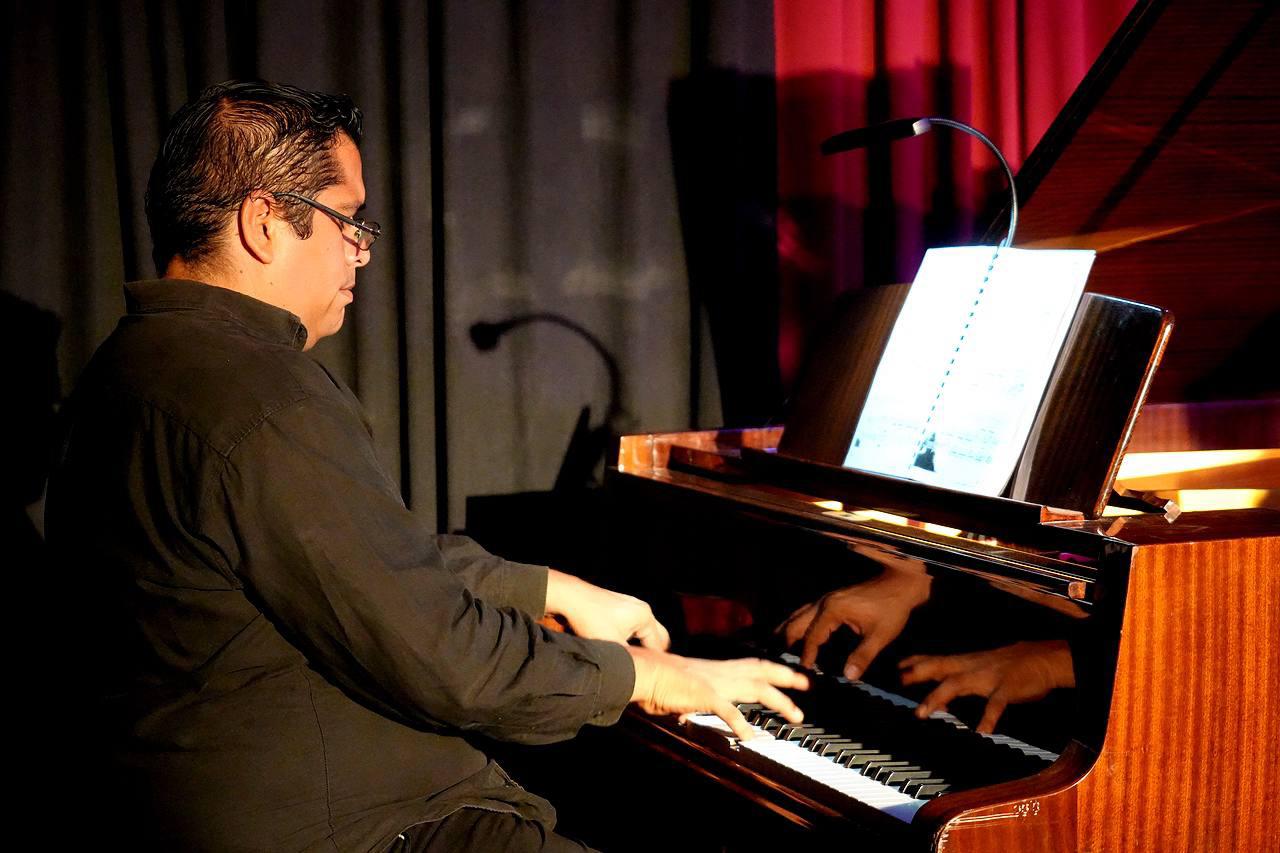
pixel 1172 744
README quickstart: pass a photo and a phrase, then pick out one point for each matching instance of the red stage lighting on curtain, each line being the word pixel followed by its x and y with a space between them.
pixel 1005 66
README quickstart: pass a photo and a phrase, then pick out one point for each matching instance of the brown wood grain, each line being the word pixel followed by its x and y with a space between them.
pixel 651 451
pixel 1190 759
pixel 1196 707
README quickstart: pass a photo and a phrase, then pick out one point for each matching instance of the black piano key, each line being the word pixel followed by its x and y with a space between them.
pixel 911 786
pixel 882 772
pixel 870 768
pixel 857 758
pixel 851 726
pixel 831 748
pixel 899 778
pixel 772 724
pixel 796 731
pixel 814 741
pixel 929 790
pixel 934 744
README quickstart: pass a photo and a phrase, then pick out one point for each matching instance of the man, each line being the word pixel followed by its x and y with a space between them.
pixel 286 661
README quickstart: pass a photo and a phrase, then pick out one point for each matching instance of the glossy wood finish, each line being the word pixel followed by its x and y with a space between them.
pixel 1190 760
pixel 1186 759
pixel 651 451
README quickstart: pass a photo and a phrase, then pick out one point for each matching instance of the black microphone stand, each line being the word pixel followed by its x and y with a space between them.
pixel 587 444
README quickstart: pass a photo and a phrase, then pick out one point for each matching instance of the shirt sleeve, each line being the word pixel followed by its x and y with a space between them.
pixel 494 579
pixel 322 541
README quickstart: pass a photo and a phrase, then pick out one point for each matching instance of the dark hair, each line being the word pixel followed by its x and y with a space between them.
pixel 233 139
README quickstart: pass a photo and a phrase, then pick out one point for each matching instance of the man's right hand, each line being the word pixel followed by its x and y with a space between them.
pixel 671 684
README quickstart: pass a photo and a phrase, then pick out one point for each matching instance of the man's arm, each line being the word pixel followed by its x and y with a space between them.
pixel 317 532
pixel 499 582
pixel 603 614
pixel 589 610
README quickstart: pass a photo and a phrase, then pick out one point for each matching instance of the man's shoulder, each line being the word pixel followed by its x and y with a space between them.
pixel 205 374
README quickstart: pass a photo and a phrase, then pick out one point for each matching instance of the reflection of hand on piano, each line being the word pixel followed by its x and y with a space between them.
pixel 671 684
pixel 601 614
pixel 1022 672
pixel 876 610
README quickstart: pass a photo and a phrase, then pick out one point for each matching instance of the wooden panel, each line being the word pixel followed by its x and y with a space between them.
pixel 1036 814
pixel 1190 759
pixel 650 451
pixel 1189 762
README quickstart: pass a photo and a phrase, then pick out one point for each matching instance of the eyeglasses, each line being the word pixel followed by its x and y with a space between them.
pixel 365 232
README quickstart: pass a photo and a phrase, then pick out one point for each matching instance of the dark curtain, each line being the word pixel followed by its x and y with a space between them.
pixel 518 155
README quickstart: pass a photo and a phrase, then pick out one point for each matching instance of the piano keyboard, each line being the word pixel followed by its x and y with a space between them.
pixel 883 767
pixel 904 702
pixel 822 770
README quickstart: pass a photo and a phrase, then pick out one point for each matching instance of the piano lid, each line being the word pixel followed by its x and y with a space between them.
pixel 1166 160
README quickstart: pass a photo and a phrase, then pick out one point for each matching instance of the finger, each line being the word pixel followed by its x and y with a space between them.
pixel 929 668
pixel 919 668
pixel 941 695
pixel 819 632
pixel 991 714
pixel 726 711
pixel 797 624
pixel 867 651
pixel 780 702
pixel 653 635
pixel 780 675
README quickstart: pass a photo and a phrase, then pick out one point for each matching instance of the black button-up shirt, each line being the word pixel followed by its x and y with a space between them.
pixel 285 658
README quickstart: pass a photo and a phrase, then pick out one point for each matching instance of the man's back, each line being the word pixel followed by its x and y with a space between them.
pixel 181 429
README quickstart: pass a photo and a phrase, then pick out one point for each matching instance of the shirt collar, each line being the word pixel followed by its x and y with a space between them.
pixel 256 317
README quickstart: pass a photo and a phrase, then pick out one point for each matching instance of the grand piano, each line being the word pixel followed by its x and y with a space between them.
pixel 1131 638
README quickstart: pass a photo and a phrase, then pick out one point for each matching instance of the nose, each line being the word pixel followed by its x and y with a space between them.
pixel 362 256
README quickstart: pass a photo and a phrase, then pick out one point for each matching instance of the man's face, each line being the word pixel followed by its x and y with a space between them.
pixel 316 276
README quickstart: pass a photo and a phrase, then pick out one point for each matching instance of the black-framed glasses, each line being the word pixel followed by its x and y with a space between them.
pixel 365 232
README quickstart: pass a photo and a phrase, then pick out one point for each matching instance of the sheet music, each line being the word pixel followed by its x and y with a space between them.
pixel 967 363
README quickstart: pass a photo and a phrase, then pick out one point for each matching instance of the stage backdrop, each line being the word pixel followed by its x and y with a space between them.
pixel 865 218
pixel 519 156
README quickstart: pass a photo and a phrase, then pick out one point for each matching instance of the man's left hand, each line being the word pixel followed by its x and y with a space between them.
pixel 602 614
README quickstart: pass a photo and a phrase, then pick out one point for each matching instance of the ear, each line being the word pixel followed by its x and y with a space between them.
pixel 259 230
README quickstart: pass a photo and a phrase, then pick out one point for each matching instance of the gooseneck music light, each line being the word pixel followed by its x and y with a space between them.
pixel 905 128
